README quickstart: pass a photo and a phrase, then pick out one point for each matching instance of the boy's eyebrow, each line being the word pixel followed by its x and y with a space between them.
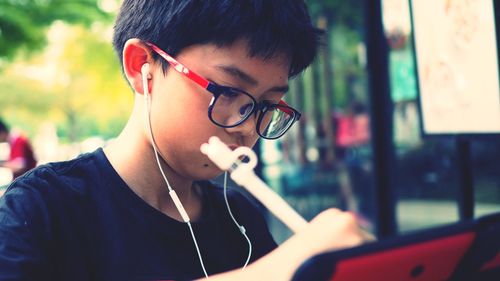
pixel 240 74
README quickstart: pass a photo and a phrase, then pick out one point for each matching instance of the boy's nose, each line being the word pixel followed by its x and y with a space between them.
pixel 245 129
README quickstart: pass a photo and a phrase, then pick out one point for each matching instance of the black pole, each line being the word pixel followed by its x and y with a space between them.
pixel 466 179
pixel 381 118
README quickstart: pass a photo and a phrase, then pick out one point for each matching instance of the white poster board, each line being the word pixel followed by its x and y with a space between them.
pixel 456 54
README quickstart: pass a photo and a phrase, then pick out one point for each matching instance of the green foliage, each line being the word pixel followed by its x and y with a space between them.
pixel 96 96
pixel 23 23
pixel 76 83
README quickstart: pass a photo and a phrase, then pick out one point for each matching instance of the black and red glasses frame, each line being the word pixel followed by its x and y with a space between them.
pixel 218 90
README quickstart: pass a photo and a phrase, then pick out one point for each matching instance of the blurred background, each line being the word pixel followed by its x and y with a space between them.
pixel 61 86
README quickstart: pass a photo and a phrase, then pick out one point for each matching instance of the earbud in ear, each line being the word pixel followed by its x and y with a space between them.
pixel 145 71
pixel 145 77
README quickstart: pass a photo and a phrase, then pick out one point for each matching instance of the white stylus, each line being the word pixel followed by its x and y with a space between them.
pixel 242 173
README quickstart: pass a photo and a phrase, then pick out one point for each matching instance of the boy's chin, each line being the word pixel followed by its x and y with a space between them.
pixel 209 171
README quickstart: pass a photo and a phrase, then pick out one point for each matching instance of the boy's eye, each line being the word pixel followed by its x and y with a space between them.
pixel 230 94
pixel 271 104
pixel 245 109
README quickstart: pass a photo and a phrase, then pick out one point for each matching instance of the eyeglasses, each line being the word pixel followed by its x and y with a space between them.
pixel 231 107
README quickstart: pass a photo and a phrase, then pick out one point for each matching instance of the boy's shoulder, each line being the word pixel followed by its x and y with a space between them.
pixel 54 190
pixel 75 174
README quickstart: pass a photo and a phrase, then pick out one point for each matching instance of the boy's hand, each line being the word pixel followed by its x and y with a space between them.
pixel 333 230
pixel 330 230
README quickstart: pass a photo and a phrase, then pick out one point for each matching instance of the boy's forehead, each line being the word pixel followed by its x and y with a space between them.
pixel 277 55
pixel 241 49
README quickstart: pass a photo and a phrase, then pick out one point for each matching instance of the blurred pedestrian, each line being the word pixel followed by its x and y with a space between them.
pixel 21 157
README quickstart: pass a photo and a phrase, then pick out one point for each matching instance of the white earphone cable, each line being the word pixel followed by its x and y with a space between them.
pixel 240 227
pixel 172 193
pixel 197 249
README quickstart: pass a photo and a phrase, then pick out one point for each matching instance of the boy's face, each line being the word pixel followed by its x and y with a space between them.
pixel 179 110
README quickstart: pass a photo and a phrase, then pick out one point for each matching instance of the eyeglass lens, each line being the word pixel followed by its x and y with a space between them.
pixel 232 107
pixel 275 121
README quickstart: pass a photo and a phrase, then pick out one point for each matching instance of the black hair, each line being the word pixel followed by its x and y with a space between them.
pixel 3 127
pixel 270 27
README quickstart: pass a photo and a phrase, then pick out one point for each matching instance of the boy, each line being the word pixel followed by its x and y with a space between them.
pixel 198 69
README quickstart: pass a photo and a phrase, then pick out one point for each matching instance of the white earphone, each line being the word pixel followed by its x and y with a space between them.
pixel 145 77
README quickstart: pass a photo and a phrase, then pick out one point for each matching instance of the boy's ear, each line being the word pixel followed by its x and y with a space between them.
pixel 135 55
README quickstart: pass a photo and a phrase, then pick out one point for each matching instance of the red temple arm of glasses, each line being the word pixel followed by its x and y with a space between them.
pixel 180 67
pixel 286 110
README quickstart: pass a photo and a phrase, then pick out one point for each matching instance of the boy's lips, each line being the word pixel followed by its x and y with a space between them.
pixel 233 146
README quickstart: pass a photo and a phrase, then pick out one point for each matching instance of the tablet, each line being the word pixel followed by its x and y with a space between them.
pixel 432 254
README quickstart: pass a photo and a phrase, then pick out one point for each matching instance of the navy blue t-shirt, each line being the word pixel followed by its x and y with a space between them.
pixel 78 220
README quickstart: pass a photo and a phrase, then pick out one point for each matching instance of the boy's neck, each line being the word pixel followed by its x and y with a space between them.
pixel 133 159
